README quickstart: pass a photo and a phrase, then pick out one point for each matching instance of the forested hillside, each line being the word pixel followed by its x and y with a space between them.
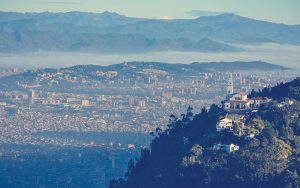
pixel 186 153
pixel 289 90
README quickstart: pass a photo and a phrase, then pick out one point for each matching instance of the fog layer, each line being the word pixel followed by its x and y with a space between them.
pixel 285 55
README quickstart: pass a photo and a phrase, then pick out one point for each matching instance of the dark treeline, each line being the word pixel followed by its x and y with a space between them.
pixel 290 90
pixel 183 154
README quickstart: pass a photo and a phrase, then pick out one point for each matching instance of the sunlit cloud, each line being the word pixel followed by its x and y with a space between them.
pixel 164 18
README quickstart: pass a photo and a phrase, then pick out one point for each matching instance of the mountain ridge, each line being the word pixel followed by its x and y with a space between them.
pixel 195 66
pixel 93 31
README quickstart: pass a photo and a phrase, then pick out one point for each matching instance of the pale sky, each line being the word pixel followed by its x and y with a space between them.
pixel 280 11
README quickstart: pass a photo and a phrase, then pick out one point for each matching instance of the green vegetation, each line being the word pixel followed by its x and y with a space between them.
pixel 255 126
pixel 289 90
pixel 184 155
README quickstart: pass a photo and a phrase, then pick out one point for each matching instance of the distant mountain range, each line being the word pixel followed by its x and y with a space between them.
pixel 113 33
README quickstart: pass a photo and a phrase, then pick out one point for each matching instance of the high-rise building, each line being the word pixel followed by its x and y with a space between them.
pixel 230 85
pixel 31 97
pixel 131 101
pixel 32 94
pixel 142 103
pixel 85 102
pixel 167 95
pixel 193 91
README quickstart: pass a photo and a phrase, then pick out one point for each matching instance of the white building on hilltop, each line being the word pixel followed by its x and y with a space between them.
pixel 240 101
pixel 228 121
pixel 224 124
pixel 237 101
pixel 256 102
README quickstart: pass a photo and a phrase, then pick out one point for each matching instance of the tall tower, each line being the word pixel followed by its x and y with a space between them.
pixel 131 101
pixel 32 94
pixel 230 85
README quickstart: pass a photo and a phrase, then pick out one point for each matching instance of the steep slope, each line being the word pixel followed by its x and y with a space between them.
pixel 191 153
pixel 289 90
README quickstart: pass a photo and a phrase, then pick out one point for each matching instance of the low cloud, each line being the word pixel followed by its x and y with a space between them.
pixel 164 18
pixel 285 55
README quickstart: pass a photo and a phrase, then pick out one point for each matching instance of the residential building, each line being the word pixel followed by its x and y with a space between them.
pixel 228 121
pixel 226 147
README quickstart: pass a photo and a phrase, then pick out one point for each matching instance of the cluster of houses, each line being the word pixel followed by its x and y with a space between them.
pixel 226 124
pixel 236 104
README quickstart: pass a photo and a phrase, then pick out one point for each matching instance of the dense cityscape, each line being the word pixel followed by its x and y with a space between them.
pixel 65 101
pixel 108 110
pixel 149 94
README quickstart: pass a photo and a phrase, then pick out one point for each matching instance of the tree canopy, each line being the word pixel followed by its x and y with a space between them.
pixel 183 155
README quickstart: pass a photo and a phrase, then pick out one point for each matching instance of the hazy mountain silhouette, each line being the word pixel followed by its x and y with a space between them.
pixel 111 32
